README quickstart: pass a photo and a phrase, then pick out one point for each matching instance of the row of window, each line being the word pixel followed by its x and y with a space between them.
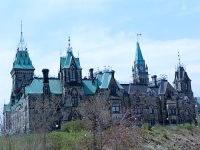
pixel 139 110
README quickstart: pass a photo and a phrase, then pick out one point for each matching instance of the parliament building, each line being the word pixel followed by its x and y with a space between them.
pixel 145 100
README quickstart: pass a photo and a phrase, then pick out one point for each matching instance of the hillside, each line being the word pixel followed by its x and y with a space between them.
pixel 182 137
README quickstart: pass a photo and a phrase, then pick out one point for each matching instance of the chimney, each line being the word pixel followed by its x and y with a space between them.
pixel 46 88
pixel 154 80
pixel 45 75
pixel 112 73
pixel 91 73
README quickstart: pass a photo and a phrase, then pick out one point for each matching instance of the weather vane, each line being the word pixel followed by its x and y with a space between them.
pixel 138 34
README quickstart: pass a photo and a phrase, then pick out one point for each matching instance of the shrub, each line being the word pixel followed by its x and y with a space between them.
pixel 70 140
pixel 146 127
pixel 76 126
pixel 165 135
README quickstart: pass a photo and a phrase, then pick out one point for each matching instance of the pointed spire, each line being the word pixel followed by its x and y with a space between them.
pixel 179 59
pixel 21 45
pixel 138 56
pixel 69 49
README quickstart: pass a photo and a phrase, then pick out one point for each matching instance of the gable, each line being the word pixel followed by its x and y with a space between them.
pixel 65 62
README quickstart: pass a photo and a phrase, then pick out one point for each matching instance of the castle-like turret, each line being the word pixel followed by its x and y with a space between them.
pixel 22 71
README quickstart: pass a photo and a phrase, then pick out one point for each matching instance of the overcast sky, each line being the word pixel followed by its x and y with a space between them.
pixel 103 32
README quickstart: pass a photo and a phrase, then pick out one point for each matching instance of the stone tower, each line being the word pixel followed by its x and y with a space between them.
pixel 140 69
pixel 70 69
pixel 22 71
pixel 182 82
pixel 71 77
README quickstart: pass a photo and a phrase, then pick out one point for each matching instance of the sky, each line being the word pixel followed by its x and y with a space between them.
pixel 103 33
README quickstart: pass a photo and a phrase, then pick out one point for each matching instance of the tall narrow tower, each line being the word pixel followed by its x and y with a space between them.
pixel 182 82
pixel 140 69
pixel 22 71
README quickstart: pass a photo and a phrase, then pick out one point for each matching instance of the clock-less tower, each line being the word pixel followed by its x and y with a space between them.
pixel 140 69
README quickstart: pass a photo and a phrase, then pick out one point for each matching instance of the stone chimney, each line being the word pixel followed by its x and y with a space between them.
pixel 46 88
pixel 91 73
pixel 154 80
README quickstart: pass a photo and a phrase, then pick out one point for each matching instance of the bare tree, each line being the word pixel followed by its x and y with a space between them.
pixel 97 110
pixel 123 137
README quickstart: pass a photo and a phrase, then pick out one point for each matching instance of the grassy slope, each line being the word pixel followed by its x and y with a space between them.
pixel 159 137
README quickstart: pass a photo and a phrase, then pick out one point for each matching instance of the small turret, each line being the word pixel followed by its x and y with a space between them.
pixel 182 82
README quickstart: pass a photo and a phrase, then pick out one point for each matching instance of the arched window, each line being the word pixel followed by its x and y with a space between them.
pixel 74 98
pixel 72 74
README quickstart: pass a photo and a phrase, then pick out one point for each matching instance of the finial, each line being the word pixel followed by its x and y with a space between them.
pixel 69 50
pixel 179 59
pixel 21 26
pixel 138 34
pixel 21 45
pixel 69 41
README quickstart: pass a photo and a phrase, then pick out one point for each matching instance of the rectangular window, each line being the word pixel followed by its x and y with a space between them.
pixel 115 108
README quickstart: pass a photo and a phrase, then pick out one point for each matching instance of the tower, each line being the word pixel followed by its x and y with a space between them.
pixel 22 71
pixel 140 69
pixel 70 69
pixel 182 82
pixel 71 77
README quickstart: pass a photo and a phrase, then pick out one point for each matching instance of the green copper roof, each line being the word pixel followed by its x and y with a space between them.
pixel 101 81
pixel 99 77
pixel 89 86
pixel 65 62
pixel 6 108
pixel 105 80
pixel 22 60
pixel 138 56
pixel 18 103
pixel 37 86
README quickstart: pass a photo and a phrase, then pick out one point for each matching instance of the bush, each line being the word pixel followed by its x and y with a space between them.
pixel 71 140
pixel 76 126
pixel 146 127
pixel 165 135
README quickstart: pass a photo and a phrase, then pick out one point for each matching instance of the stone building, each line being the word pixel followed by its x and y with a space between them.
pixel 48 102
pixel 157 101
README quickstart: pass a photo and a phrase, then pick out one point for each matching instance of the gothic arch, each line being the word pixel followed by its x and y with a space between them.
pixel 74 97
